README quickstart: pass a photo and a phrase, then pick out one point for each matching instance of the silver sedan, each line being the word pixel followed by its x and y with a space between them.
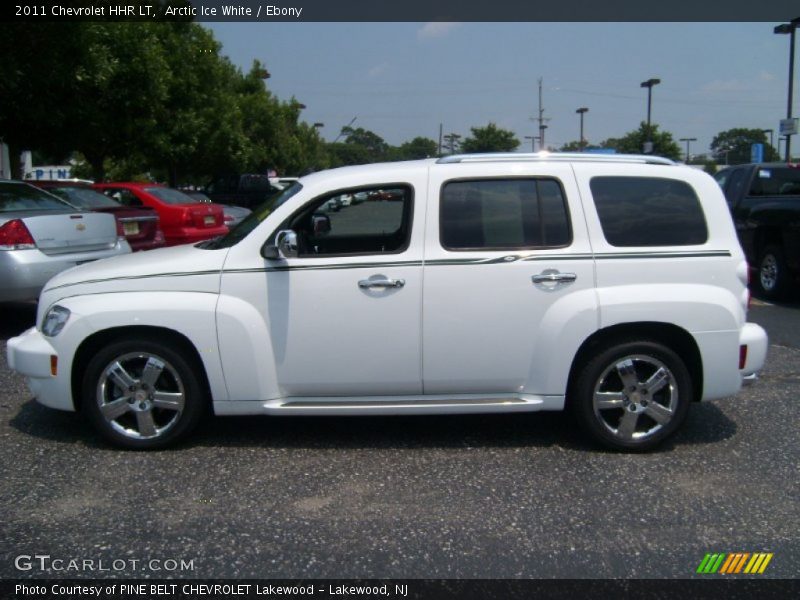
pixel 41 235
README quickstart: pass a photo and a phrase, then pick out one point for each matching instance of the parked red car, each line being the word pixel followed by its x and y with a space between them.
pixel 137 224
pixel 183 219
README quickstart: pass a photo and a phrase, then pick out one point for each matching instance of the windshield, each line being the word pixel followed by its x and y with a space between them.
pixel 251 221
pixel 84 198
pixel 170 196
pixel 20 197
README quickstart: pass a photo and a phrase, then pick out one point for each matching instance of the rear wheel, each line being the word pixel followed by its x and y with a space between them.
pixel 772 272
pixel 142 394
pixel 632 396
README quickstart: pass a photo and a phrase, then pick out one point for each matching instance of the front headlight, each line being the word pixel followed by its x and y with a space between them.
pixel 54 320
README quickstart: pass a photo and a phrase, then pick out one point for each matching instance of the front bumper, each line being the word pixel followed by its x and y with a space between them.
pixel 754 339
pixel 31 354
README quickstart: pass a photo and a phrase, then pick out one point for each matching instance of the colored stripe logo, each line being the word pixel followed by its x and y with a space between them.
pixel 735 563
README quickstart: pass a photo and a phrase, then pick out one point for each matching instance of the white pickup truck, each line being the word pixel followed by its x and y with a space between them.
pixel 610 285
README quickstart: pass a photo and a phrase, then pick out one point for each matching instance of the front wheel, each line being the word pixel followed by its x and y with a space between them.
pixel 632 396
pixel 142 394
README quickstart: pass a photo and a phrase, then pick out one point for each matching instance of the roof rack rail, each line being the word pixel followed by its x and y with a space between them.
pixel 555 156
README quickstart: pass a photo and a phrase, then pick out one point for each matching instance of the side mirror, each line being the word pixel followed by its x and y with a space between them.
pixel 320 224
pixel 285 246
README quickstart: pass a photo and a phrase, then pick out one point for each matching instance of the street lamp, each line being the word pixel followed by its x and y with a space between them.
pixel 582 111
pixel 533 139
pixel 648 147
pixel 789 28
pixel 318 125
pixel 688 141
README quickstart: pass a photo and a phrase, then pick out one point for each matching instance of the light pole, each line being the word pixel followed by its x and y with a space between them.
pixel 582 111
pixel 789 28
pixel 770 132
pixel 648 146
pixel 541 137
pixel 688 141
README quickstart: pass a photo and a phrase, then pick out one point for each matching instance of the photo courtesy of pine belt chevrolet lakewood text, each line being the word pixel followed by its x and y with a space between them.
pixel 611 286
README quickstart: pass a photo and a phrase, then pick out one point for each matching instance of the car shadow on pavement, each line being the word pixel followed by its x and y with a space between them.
pixel 706 424
pixel 16 318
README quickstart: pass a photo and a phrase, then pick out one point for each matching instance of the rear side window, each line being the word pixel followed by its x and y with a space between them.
pixel 776 181
pixel 648 211
pixel 502 214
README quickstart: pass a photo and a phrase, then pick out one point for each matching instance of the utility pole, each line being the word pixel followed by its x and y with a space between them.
pixel 541 118
pixel 440 139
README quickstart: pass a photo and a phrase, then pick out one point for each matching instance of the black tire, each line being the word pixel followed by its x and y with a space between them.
pixel 175 400
pixel 656 412
pixel 773 275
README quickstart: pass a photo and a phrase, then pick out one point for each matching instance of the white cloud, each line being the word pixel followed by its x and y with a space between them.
pixel 730 85
pixel 436 29
pixel 378 70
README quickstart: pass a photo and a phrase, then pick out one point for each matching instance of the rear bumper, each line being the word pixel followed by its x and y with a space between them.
pixel 754 338
pixel 25 272
pixel 138 245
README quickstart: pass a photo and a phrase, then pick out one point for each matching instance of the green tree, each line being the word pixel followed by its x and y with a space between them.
pixel 92 87
pixel 736 144
pixel 633 142
pixel 574 146
pixel 490 139
pixel 419 147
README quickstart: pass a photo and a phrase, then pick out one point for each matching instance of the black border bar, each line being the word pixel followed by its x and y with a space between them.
pixel 32 11
pixel 729 588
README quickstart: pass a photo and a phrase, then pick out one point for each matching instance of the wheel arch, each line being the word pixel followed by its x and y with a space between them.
pixel 89 346
pixel 674 337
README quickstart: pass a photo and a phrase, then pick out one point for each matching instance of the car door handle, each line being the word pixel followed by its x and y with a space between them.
pixel 381 283
pixel 553 276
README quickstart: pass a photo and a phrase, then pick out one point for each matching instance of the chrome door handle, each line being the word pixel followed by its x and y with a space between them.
pixel 366 284
pixel 553 276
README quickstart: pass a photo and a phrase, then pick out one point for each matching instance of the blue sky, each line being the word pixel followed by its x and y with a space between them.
pixel 402 80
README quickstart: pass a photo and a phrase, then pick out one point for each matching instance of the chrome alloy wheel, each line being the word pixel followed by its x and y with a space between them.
pixel 635 397
pixel 768 272
pixel 140 395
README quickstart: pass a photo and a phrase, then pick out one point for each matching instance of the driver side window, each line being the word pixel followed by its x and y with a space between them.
pixel 360 221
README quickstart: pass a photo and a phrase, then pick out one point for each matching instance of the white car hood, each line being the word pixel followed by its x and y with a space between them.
pixel 180 268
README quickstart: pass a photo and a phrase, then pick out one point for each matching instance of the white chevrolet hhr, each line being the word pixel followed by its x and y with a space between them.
pixel 610 285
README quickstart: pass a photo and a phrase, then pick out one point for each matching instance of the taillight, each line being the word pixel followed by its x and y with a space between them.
pixel 742 356
pixel 15 236
pixel 120 229
pixel 187 217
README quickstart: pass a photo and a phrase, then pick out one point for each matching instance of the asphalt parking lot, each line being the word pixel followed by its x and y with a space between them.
pixel 450 497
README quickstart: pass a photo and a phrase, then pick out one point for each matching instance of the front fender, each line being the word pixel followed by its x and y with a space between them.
pixel 191 314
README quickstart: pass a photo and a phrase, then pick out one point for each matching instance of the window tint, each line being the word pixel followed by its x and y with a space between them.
pixel 645 211
pixel 503 214
pixel 169 196
pixel 364 221
pixel 20 197
pixel 736 182
pixel 84 197
pixel 776 181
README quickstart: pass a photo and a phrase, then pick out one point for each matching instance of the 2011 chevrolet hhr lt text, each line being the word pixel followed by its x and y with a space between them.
pixel 613 286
